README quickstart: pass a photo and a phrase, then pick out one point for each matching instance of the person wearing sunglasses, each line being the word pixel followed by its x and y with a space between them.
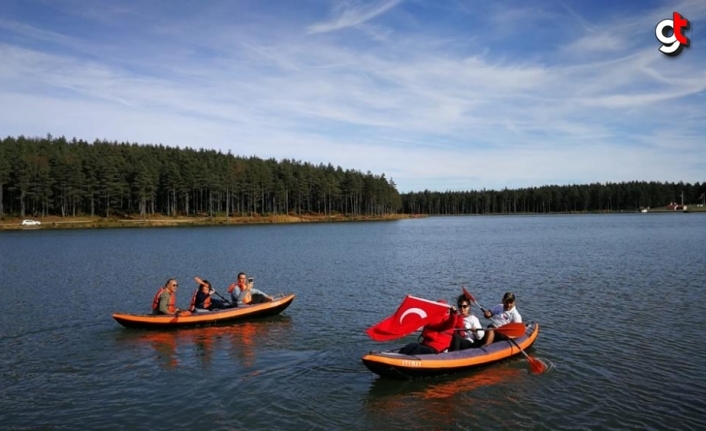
pixel 164 301
pixel 473 334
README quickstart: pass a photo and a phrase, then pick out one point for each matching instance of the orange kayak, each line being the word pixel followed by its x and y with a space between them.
pixel 395 365
pixel 215 317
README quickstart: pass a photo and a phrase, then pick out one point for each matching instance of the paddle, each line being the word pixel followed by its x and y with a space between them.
pixel 470 297
pixel 510 330
pixel 224 299
pixel 201 283
pixel 536 366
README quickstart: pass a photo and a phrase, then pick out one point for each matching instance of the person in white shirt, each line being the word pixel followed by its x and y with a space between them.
pixel 473 334
pixel 500 315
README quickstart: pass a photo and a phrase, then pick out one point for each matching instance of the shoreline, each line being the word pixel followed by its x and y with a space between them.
pixel 57 222
pixel 135 221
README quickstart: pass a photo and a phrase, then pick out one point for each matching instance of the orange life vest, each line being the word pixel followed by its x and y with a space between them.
pixel 172 301
pixel 206 302
pixel 241 286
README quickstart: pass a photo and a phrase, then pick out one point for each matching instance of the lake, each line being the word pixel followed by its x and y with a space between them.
pixel 617 297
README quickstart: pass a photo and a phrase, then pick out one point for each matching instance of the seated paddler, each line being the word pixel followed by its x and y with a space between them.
pixel 164 301
pixel 202 300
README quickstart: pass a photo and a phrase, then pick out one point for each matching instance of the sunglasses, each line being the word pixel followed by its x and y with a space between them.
pixel 465 306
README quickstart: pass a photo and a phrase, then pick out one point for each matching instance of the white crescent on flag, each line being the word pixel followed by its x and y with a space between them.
pixel 422 314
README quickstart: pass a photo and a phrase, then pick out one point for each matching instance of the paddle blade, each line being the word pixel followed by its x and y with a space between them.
pixel 467 294
pixel 536 366
pixel 512 330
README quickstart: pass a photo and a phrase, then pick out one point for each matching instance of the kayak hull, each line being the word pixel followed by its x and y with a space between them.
pixel 391 364
pixel 216 317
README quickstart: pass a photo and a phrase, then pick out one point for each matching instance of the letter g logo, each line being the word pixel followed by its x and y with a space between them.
pixel 674 44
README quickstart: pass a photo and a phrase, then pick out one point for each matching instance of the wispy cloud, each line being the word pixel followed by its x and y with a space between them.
pixel 428 95
pixel 352 13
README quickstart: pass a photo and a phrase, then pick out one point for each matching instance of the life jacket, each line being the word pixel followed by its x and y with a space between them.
pixel 155 301
pixel 172 301
pixel 438 335
pixel 206 302
pixel 239 285
pixel 247 299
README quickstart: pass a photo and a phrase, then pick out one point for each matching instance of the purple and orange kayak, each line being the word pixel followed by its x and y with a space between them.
pixel 395 365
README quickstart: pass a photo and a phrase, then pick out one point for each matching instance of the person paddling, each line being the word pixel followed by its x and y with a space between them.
pixel 474 334
pixel 500 315
pixel 202 301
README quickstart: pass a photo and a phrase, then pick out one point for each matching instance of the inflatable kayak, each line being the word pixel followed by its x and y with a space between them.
pixel 214 317
pixel 395 365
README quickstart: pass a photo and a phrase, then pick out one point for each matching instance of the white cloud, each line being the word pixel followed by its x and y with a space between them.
pixel 414 106
pixel 352 13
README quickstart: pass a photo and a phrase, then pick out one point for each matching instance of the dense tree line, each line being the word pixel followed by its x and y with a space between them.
pixel 609 197
pixel 53 176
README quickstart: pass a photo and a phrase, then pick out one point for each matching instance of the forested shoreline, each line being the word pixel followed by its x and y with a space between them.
pixel 56 177
pixel 609 197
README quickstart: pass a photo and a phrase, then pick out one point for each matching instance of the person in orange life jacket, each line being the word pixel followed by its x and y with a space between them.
pixel 164 301
pixel 474 336
pixel 436 336
pixel 201 300
pixel 243 292
pixel 500 315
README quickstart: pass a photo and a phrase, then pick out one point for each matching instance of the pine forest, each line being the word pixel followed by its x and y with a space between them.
pixel 55 176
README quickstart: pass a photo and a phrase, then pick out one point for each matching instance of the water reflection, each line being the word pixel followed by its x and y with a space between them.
pixel 241 341
pixel 438 402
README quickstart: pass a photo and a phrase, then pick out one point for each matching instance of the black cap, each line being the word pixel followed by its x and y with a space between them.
pixel 509 296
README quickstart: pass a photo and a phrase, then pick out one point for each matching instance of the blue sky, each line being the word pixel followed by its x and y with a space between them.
pixel 439 95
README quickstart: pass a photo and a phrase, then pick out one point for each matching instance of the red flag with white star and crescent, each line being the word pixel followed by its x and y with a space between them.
pixel 409 317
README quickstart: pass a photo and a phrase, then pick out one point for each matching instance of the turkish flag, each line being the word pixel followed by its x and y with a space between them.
pixel 412 314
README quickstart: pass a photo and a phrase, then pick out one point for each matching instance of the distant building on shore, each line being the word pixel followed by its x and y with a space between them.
pixel 673 206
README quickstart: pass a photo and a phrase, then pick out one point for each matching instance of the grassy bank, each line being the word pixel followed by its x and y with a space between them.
pixel 55 222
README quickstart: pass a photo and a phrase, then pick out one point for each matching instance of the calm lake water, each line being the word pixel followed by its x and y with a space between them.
pixel 619 298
